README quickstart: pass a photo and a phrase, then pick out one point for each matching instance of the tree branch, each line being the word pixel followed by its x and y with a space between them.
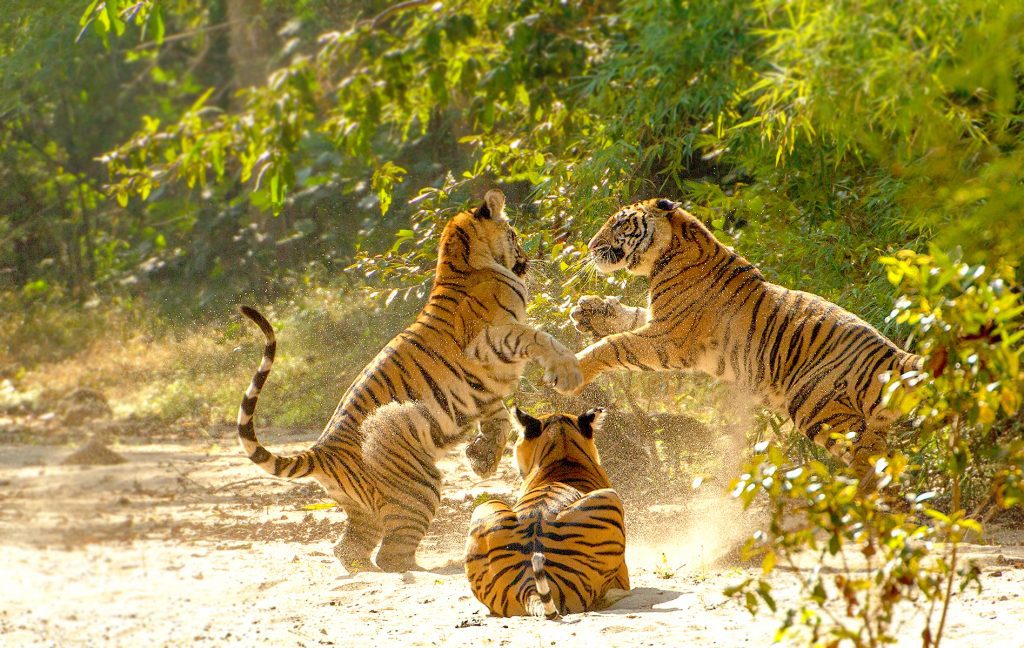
pixel 187 34
pixel 390 11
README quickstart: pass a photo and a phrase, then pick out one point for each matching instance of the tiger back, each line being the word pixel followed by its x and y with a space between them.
pixel 561 547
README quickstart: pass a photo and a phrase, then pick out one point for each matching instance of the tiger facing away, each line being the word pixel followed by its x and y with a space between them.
pixel 710 310
pixel 438 380
pixel 561 547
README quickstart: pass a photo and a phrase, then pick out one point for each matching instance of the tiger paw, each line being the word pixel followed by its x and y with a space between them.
pixel 484 454
pixel 353 557
pixel 478 350
pixel 600 316
pixel 563 373
pixel 588 372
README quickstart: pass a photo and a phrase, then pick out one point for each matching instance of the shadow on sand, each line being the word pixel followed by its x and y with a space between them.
pixel 640 599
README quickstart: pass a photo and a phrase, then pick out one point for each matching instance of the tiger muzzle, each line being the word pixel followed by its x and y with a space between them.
pixel 607 254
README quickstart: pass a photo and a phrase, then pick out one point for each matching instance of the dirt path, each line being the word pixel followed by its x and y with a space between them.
pixel 190 544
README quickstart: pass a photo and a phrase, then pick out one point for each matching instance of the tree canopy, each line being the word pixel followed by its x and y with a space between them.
pixel 813 136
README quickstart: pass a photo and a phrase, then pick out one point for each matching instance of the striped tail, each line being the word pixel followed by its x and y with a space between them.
pixel 300 465
pixel 547 607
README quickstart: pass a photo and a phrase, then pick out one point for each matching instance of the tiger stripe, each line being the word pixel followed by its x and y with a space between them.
pixel 711 310
pixel 421 394
pixel 561 547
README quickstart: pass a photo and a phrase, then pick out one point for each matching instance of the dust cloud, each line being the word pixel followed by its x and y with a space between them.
pixel 699 525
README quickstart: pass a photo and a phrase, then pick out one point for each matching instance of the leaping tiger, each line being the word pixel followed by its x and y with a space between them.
pixel 432 384
pixel 561 547
pixel 711 310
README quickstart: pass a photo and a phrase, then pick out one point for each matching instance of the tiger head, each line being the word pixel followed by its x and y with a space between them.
pixel 483 238
pixel 638 234
pixel 557 439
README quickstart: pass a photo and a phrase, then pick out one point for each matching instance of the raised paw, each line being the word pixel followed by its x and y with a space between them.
pixel 484 454
pixel 564 374
pixel 477 348
pixel 599 316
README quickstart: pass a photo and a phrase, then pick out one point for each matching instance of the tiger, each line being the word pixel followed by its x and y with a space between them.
pixel 710 310
pixel 441 379
pixel 561 547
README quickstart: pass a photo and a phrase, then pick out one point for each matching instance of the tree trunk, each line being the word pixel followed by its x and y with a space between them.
pixel 251 43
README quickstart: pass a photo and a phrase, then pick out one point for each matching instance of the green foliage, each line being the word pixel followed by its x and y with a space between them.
pixel 786 124
pixel 967 319
pixel 113 16
pixel 878 558
pixel 179 401
pixel 810 135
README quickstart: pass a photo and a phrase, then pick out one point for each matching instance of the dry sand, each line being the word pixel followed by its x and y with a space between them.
pixel 188 543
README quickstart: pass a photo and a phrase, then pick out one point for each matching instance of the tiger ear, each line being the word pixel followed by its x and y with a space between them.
pixel 666 205
pixel 493 206
pixel 590 421
pixel 531 425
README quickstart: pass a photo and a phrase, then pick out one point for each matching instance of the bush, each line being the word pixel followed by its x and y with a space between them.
pixel 967 319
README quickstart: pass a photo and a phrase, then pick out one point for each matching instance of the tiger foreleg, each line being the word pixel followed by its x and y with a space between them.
pixel 635 350
pixel 603 316
pixel 515 342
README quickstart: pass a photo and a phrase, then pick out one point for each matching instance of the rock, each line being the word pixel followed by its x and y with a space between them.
pixel 93 453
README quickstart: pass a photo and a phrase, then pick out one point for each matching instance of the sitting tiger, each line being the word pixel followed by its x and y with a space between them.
pixel 710 310
pixel 432 384
pixel 561 547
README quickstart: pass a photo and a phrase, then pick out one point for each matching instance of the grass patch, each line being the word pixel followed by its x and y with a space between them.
pixel 189 372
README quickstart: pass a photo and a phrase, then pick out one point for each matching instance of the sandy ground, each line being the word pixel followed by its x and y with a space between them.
pixel 188 543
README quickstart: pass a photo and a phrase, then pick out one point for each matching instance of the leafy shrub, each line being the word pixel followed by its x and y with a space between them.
pixel 818 523
pixel 967 319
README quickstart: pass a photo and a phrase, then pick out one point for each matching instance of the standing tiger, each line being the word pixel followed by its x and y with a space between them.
pixel 561 547
pixel 436 381
pixel 710 310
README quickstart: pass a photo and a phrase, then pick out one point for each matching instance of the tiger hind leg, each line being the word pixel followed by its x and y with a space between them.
pixel 865 444
pixel 591 556
pixel 867 447
pixel 363 531
pixel 621 580
pixel 406 521
pixel 405 476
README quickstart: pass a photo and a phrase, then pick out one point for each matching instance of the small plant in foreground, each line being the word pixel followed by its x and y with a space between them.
pixel 876 558
pixel 663 569
pixel 967 321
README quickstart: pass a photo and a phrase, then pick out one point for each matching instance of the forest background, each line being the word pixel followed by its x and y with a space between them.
pixel 162 162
